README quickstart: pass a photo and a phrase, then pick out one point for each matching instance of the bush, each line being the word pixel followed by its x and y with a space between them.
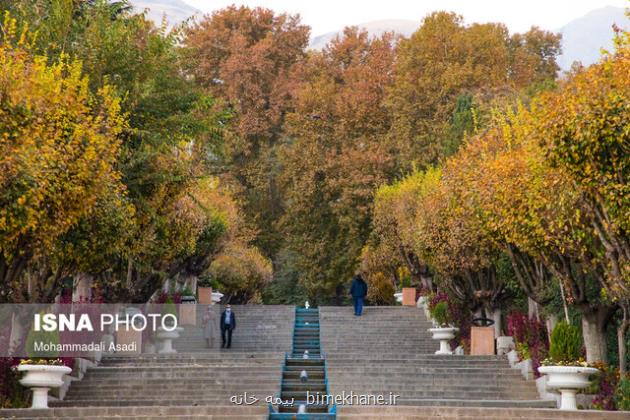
pixel 168 297
pixel 459 316
pixel 622 394
pixel 530 337
pixel 440 313
pixel 12 394
pixel 603 385
pixel 380 290
pixel 170 307
pixel 35 337
pixel 187 291
pixel 566 343
pixel 242 271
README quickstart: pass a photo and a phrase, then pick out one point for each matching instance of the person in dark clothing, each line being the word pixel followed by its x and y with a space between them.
pixel 358 290
pixel 228 324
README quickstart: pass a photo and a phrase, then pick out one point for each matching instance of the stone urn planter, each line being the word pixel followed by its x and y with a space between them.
pixel 444 334
pixel 166 337
pixel 204 295
pixel 423 302
pixel 216 297
pixel 40 378
pixel 568 380
pixel 409 296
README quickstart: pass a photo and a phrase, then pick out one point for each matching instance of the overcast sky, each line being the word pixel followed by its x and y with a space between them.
pixel 331 15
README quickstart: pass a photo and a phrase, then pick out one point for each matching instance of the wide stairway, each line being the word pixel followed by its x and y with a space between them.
pixel 386 353
pixel 258 328
pixel 195 383
pixel 389 352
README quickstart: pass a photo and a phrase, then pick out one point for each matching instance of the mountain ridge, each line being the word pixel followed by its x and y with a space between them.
pixel 584 37
pixel 175 11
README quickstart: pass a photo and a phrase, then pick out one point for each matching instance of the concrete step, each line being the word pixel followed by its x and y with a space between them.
pixel 141 402
pixel 213 395
pixel 194 357
pixel 468 395
pixel 231 412
pixel 387 350
pixel 440 412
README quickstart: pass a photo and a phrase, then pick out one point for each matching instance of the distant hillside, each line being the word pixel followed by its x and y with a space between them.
pixel 175 11
pixel 583 38
pixel 375 29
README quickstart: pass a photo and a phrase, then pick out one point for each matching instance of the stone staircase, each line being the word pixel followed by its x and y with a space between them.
pixel 258 328
pixel 388 351
pixel 181 380
pixel 226 412
pixel 486 413
pixel 195 383
pixel 380 330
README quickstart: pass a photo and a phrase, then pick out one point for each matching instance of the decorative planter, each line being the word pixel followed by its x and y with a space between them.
pixel 40 378
pixel 188 313
pixel 204 295
pixel 567 380
pixel 216 297
pixel 504 345
pixel 398 296
pixel 167 337
pixel 409 296
pixel 481 341
pixel 444 334
pixel 422 302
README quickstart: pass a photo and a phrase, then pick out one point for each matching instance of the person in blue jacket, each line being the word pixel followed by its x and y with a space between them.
pixel 358 290
pixel 228 324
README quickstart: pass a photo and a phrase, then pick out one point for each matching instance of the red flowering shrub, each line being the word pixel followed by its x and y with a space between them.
pixel 458 313
pixel 170 297
pixel 530 338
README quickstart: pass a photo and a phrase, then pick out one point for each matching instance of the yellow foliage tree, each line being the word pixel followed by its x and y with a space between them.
pixel 58 150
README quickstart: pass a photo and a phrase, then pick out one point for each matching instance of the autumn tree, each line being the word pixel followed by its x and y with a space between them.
pixel 335 157
pixel 244 56
pixel 59 148
pixel 445 59
pixel 532 211
pixel 532 57
pixel 584 130
pixel 392 240
pixel 169 150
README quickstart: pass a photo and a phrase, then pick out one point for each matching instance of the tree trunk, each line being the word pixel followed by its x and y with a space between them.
pixel 82 287
pixel 426 281
pixel 594 332
pixel 551 322
pixel 532 309
pixel 621 340
pixel 498 327
pixel 129 273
